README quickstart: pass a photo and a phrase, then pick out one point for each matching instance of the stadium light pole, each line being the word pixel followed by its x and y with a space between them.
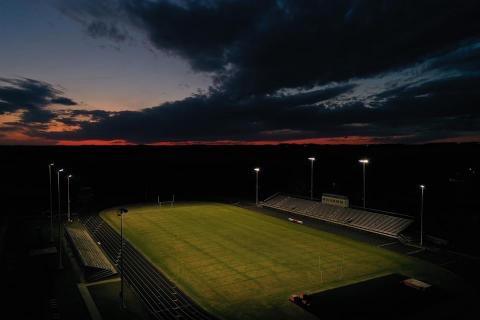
pixel 364 162
pixel 60 264
pixel 68 197
pixel 121 212
pixel 50 165
pixel 422 188
pixel 312 160
pixel 257 170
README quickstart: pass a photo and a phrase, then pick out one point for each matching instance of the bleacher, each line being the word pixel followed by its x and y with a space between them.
pixel 95 264
pixel 384 224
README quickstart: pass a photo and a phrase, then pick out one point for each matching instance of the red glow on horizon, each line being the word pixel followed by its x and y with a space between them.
pixel 93 142
pixel 18 138
pixel 333 140
pixel 121 142
pixel 465 139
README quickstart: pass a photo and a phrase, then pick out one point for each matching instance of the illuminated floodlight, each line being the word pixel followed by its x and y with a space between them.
pixel 364 162
pixel 68 197
pixel 60 263
pixel 257 170
pixel 121 213
pixel 50 165
pixel 422 187
pixel 312 160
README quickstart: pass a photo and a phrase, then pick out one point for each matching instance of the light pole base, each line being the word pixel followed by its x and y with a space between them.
pixel 122 301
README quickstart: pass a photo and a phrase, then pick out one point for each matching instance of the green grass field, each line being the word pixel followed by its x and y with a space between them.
pixel 240 264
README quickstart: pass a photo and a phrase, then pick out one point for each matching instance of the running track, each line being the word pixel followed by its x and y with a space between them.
pixel 161 297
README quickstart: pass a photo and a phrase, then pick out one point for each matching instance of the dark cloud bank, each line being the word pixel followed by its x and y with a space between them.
pixel 283 69
pixel 32 97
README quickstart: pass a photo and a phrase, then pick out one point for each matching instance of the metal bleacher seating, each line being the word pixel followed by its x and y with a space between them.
pixel 94 262
pixel 384 224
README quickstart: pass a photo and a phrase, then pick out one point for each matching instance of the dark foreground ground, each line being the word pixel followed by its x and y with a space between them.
pixel 387 298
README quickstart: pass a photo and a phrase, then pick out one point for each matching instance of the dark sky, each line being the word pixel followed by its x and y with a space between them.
pixel 239 71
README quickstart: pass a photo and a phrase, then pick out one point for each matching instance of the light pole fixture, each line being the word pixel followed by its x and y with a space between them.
pixel 422 188
pixel 364 162
pixel 312 160
pixel 60 264
pixel 257 170
pixel 68 198
pixel 51 200
pixel 121 212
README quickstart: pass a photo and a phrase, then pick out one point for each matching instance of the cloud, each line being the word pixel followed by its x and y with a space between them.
pixel 63 101
pixel 202 32
pixel 441 113
pixel 99 18
pixel 259 47
pixel 99 29
pixel 32 97
pixel 391 70
pixel 201 117
pixel 431 100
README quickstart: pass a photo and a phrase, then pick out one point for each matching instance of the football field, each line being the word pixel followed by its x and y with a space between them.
pixel 240 264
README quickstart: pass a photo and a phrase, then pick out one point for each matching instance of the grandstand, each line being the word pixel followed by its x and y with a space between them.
pixel 387 225
pixel 95 264
pixel 163 299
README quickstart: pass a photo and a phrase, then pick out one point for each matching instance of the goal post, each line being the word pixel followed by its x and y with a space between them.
pixel 171 202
